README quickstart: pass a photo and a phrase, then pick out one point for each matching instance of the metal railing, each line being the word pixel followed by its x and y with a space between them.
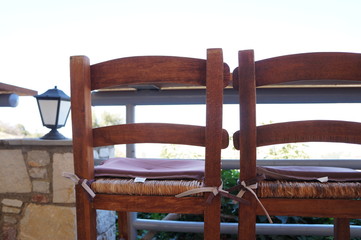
pixel 232 228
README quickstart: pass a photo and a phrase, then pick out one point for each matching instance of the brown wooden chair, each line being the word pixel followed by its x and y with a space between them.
pixel 286 191
pixel 161 71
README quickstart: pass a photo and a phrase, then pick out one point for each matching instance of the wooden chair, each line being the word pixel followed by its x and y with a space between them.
pixel 161 71
pixel 290 194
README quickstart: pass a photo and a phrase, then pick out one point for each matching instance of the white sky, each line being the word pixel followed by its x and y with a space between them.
pixel 37 37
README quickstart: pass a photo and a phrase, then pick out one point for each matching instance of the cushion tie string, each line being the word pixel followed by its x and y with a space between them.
pixel 83 182
pixel 250 188
pixel 215 191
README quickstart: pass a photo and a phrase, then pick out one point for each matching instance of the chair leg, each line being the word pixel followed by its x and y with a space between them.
pixel 247 219
pixel 212 220
pixel 86 217
pixel 123 225
pixel 341 229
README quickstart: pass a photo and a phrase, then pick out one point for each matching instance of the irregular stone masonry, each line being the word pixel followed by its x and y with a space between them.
pixel 36 201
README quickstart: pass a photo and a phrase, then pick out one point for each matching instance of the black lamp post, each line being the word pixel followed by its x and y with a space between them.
pixel 54 107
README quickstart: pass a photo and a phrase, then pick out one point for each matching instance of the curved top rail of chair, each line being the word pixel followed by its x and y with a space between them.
pixel 309 66
pixel 142 69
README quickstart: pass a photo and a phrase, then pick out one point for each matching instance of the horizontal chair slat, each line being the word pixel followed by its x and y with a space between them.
pixel 153 133
pixel 309 131
pixel 306 131
pixel 167 204
pixel 311 207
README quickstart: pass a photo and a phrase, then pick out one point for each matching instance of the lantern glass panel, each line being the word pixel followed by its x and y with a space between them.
pixel 63 112
pixel 48 110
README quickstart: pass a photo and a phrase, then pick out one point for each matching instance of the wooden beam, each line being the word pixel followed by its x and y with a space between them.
pixel 7 89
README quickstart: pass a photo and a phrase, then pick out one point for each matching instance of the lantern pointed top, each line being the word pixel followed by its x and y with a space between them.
pixel 54 93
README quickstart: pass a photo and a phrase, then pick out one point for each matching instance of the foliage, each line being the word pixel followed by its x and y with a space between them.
pixel 106 119
pixel 285 151
pixel 229 208
pixel 173 151
pixel 18 131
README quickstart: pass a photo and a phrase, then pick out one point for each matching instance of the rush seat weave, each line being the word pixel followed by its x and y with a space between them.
pixel 149 187
pixel 306 189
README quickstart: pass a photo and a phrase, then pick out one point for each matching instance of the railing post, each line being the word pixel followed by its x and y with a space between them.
pixel 130 118
pixel 130 152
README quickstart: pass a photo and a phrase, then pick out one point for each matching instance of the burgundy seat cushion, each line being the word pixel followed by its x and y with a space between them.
pixel 151 168
pixel 309 173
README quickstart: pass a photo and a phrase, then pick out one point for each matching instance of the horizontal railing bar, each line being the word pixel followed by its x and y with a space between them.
pixel 197 96
pixel 232 228
pixel 348 163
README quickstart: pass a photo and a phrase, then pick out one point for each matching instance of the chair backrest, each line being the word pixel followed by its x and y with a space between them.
pixel 307 67
pixel 161 71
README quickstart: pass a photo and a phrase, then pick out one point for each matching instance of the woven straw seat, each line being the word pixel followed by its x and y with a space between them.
pixel 161 177
pixel 306 189
pixel 306 182
pixel 149 187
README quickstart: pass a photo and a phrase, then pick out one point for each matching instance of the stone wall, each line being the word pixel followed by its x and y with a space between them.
pixel 36 201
